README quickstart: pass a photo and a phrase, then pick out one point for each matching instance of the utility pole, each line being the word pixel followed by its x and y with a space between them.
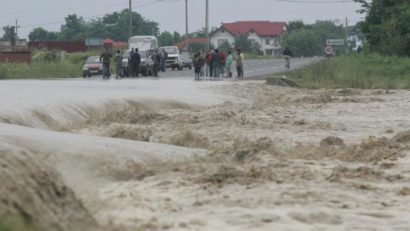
pixel 186 27
pixel 347 37
pixel 16 27
pixel 207 25
pixel 130 16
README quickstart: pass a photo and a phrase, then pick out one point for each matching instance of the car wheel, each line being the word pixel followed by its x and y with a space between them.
pixel 89 75
pixel 190 67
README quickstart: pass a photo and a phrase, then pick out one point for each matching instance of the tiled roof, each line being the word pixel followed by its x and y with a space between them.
pixel 262 28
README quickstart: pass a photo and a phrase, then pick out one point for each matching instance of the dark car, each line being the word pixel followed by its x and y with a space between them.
pixel 92 66
pixel 186 61
pixel 146 65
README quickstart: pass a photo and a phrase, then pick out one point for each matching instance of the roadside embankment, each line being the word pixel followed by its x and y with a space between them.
pixel 364 71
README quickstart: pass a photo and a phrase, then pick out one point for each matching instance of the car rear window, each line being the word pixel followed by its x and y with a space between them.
pixel 95 59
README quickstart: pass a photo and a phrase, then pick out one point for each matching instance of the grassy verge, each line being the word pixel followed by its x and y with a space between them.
pixel 15 223
pixel 43 67
pixel 249 56
pixel 370 71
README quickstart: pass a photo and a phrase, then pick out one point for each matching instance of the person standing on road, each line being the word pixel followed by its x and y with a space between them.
pixel 222 62
pixel 239 63
pixel 129 66
pixel 216 63
pixel 287 54
pixel 209 64
pixel 105 59
pixel 135 62
pixel 228 64
pixel 199 63
pixel 163 60
pixel 156 58
pixel 118 64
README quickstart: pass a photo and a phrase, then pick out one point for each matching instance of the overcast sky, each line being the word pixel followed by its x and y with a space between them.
pixel 170 14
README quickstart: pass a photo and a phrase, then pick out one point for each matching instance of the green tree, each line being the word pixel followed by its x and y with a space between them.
pixel 309 40
pixel 115 26
pixel 9 33
pixel 387 26
pixel 166 39
pixel 177 37
pixel 40 34
pixel 74 28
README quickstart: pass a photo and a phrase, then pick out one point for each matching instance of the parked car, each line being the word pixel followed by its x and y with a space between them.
pixel 174 57
pixel 186 61
pixel 146 65
pixel 92 66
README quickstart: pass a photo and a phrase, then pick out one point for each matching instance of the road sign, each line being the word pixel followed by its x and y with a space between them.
pixel 335 42
pixel 93 41
pixel 329 50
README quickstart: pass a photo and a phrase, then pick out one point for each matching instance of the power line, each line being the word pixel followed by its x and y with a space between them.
pixel 316 1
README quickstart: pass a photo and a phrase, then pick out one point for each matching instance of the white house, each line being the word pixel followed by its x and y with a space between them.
pixel 265 33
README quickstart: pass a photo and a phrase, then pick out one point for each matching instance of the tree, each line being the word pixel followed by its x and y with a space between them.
pixel 309 40
pixel 74 28
pixel 40 34
pixel 177 37
pixel 165 39
pixel 9 33
pixel 387 26
pixel 115 26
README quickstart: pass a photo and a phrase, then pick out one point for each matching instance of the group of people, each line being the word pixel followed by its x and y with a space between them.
pixel 134 61
pixel 217 64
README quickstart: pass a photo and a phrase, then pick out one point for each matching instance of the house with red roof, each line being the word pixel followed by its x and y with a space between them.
pixel 265 33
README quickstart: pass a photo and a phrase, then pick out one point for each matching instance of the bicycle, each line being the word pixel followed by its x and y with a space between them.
pixel 287 62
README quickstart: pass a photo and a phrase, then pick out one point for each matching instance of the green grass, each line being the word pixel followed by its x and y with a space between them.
pixel 371 71
pixel 42 67
pixel 15 223
pixel 249 56
pixel 42 70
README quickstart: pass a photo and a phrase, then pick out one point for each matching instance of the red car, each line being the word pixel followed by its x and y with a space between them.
pixel 92 66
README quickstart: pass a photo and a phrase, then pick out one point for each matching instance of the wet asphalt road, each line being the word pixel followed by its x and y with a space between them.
pixel 253 69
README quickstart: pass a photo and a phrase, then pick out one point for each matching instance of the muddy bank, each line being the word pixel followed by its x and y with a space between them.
pixel 34 197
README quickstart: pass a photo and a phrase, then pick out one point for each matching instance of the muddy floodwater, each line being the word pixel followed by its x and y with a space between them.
pixel 211 155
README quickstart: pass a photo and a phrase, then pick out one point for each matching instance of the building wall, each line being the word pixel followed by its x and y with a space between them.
pixel 221 35
pixel 67 46
pixel 273 48
pixel 15 57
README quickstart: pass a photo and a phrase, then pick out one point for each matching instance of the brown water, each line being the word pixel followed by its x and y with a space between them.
pixel 268 158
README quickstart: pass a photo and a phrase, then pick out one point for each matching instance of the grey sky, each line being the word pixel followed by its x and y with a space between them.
pixel 50 14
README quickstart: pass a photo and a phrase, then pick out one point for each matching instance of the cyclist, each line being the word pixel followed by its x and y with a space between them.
pixel 287 54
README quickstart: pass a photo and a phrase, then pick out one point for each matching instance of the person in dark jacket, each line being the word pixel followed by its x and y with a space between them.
pixel 199 63
pixel 135 62
pixel 118 64
pixel 105 59
pixel 163 60
pixel 156 58
pixel 287 54
pixel 129 66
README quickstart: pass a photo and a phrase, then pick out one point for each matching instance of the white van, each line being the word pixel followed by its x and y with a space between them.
pixel 174 59
pixel 143 43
